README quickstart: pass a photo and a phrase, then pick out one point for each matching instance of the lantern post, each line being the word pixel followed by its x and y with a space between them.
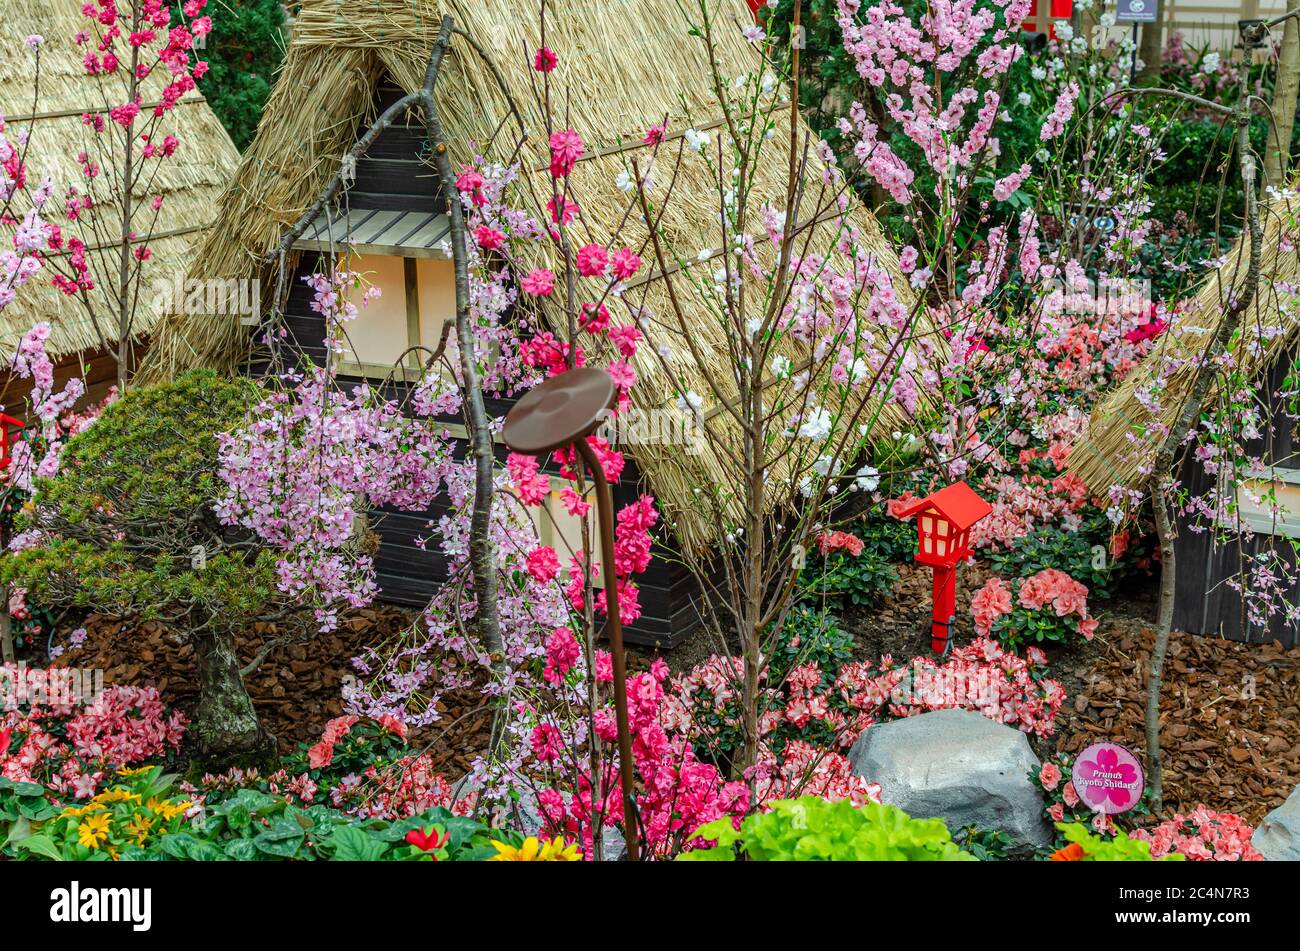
pixel 559 412
pixel 7 424
pixel 943 523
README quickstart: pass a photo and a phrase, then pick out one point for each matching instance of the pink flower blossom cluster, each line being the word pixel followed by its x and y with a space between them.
pixel 897 54
pixel 50 408
pixel 1202 835
pixel 73 750
pixel 677 793
pixel 1049 589
pixel 311 460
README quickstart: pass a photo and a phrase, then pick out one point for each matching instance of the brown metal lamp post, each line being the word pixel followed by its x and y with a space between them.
pixel 562 411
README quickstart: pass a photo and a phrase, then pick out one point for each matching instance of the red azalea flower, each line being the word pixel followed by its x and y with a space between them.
pixel 427 840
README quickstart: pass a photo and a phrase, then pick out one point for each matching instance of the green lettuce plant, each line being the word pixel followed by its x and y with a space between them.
pixel 813 829
pixel 1096 849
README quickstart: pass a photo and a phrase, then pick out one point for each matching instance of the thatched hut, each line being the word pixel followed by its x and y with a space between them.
pixel 1127 427
pixel 189 183
pixel 627 66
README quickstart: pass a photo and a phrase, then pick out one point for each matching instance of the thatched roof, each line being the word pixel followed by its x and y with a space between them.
pixel 626 65
pixel 1128 425
pixel 189 181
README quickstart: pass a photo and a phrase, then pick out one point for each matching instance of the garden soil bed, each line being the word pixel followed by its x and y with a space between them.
pixel 1230 726
pixel 296 689
pixel 1230 711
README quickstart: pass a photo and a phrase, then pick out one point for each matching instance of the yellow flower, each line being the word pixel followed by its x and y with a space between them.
pixel 75 812
pixel 137 771
pixel 93 830
pixel 168 808
pixel 534 851
pixel 139 826
pixel 118 794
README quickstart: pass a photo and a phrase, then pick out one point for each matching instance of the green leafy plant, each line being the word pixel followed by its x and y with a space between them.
pixel 1086 847
pixel 859 580
pixel 811 828
pixel 810 636
pixel 243 53
pixel 987 845
pixel 125 819
pixel 253 825
pixel 1051 547
pixel 22 806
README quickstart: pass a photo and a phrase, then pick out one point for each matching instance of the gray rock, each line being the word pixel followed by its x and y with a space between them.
pixel 1278 836
pixel 960 767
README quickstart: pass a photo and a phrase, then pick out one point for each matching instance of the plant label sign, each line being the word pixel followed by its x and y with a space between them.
pixel 1108 778
pixel 1136 11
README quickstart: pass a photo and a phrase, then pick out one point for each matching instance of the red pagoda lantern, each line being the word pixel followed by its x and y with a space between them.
pixel 8 433
pixel 943 522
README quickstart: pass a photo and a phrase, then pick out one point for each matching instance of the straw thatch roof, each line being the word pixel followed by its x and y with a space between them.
pixel 626 66
pixel 1128 425
pixel 189 181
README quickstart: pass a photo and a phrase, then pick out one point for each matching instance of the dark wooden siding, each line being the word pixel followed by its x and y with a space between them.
pixel 96 368
pixel 393 176
pixel 1204 601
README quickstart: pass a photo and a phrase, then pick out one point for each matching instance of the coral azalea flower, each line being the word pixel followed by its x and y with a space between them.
pixel 1071 853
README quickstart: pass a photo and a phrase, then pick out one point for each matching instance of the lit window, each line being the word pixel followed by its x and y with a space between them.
pixel 562 531
pixel 1269 502
pixel 416 297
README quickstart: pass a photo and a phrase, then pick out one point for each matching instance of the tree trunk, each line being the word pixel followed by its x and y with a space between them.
pixel 1153 42
pixel 482 552
pixel 1277 156
pixel 6 628
pixel 226 731
pixel 1164 624
pixel 1238 303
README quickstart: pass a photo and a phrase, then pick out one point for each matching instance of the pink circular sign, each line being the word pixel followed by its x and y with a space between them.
pixel 1108 778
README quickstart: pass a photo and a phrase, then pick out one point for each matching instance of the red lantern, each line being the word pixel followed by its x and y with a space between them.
pixel 7 436
pixel 943 522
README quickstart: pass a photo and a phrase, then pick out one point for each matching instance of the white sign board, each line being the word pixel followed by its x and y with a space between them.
pixel 1135 11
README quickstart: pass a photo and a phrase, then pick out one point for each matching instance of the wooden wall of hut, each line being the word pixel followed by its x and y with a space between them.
pixel 394 177
pixel 1205 600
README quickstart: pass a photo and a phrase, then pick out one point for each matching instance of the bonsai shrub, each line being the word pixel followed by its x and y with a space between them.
pixel 126 528
pixel 811 828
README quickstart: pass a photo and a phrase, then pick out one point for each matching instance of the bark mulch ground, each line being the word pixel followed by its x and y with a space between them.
pixel 1230 727
pixel 295 690
pixel 1230 712
pixel 1230 717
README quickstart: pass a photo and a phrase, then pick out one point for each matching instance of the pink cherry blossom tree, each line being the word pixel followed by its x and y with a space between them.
pixel 140 68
